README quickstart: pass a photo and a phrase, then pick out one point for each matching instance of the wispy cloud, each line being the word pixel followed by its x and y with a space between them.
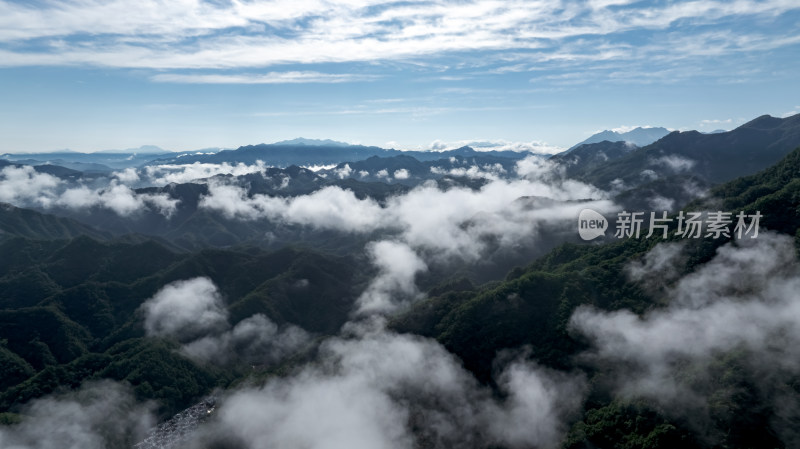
pixel 494 145
pixel 727 123
pixel 268 78
pixel 244 34
pixel 794 111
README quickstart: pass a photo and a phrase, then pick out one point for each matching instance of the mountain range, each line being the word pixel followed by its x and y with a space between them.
pixel 631 343
pixel 638 136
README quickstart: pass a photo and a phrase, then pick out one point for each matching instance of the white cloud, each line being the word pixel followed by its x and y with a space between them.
pixel 117 197
pixel 707 122
pixel 98 415
pixel 624 129
pixel 268 78
pixel 659 267
pixel 182 173
pixel 794 111
pixel 537 168
pixel 185 309
pixel 495 145
pixel 194 34
pixel 401 174
pixel 648 175
pixel 23 185
pixel 661 203
pixel 486 171
pixel 743 302
pixel 316 168
pixel 127 176
pixel 343 172
pixel 394 285
pixel 255 340
pixel 329 208
pixel 454 222
pixel 675 162
pixel 368 391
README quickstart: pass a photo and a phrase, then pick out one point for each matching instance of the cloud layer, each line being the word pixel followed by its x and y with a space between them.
pixel 371 389
pixel 743 302
pixel 25 187
pixel 454 222
pixel 196 34
pixel 99 415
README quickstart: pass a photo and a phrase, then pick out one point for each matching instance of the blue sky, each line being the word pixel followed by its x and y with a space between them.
pixel 91 75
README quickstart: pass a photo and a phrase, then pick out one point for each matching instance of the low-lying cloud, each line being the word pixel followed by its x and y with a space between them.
pixel 161 175
pixel 25 187
pixel 744 302
pixel 486 171
pixel 675 162
pixel 185 309
pixel 454 222
pixel 377 389
pixel 394 285
pixel 192 311
pixel 328 208
pixel 99 415
pixel 496 145
pixel 118 198
pixel 255 340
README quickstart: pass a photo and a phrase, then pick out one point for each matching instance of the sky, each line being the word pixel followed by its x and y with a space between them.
pixel 92 75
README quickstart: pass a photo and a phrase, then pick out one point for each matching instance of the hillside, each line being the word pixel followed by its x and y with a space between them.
pixel 18 222
pixel 715 158
pixel 70 311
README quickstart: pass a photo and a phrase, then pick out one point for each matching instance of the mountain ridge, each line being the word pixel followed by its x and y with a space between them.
pixel 639 136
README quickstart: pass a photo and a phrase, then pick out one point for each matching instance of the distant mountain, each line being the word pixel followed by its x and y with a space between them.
pixel 144 149
pixel 58 171
pixel 637 136
pixel 313 142
pixel 280 155
pixel 114 161
pixel 285 155
pixel 468 151
pixel 714 158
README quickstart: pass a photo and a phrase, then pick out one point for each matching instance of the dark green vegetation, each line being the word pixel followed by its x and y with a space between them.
pixel 27 223
pixel 69 311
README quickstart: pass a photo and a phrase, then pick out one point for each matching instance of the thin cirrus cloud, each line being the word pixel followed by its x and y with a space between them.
pixel 268 78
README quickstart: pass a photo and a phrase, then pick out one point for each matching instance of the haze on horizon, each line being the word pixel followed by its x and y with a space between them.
pixel 540 75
